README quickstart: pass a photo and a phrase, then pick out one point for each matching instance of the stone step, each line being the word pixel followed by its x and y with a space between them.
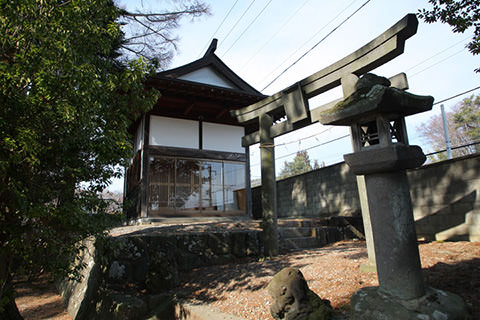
pixel 298 223
pixel 318 237
pixel 319 222
pixel 300 243
pixel 307 233
pixel 297 232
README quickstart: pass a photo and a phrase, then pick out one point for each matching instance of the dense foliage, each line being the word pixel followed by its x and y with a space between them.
pixel 300 164
pixel 461 15
pixel 467 118
pixel 66 103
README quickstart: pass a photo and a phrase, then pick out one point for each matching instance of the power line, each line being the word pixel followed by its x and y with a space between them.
pixel 309 148
pixel 249 25
pixel 236 23
pixel 454 148
pixel 457 95
pixel 315 146
pixel 305 138
pixel 276 33
pixel 438 53
pixel 312 37
pixel 284 144
pixel 218 28
pixel 454 54
pixel 321 40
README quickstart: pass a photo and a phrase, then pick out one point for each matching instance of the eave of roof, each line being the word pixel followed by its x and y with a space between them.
pixel 210 60
pixel 164 84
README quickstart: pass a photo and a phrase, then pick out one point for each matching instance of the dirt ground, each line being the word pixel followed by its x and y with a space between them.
pixel 331 271
pixel 39 299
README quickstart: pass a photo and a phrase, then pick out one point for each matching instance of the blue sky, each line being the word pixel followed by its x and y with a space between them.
pixel 260 46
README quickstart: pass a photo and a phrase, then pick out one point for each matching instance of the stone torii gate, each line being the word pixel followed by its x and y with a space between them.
pixel 292 102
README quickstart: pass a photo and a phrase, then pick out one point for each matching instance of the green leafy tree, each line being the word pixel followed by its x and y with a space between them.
pixel 300 164
pixel 67 98
pixel 461 15
pixel 463 127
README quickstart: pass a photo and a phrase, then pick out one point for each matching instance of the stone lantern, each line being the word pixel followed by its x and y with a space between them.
pixel 375 112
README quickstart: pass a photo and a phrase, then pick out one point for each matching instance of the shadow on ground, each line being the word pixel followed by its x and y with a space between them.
pixel 37 298
pixel 236 276
pixel 462 278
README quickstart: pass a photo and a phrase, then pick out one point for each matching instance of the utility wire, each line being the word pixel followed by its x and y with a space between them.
pixel 248 27
pixel 306 42
pixel 457 95
pixel 321 40
pixel 438 53
pixel 218 28
pixel 454 148
pixel 315 146
pixel 454 54
pixel 236 23
pixel 309 148
pixel 276 33
pixel 305 138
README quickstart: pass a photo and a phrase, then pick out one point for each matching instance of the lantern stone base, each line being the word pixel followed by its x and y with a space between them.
pixel 371 303
pixel 377 159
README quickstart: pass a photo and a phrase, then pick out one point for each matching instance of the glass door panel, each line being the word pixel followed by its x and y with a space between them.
pixel 235 193
pixel 161 185
pixel 187 188
pixel 212 186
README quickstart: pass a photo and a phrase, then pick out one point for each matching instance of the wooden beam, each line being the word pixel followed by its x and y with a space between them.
pixel 221 113
pixel 188 109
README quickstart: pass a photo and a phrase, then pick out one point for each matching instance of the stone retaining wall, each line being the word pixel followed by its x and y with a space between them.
pixel 445 197
pixel 130 276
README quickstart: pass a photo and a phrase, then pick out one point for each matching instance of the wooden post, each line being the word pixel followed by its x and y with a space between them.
pixel 269 188
pixel 145 168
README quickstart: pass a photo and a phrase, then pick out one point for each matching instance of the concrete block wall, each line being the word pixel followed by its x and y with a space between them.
pixel 319 193
pixel 445 197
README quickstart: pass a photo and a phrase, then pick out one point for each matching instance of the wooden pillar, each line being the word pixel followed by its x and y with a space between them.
pixel 269 187
pixel 145 168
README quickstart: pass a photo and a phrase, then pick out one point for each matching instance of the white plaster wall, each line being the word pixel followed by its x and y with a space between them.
pixel 209 76
pixel 170 132
pixel 221 137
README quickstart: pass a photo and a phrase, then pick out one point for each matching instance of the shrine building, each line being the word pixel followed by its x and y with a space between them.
pixel 189 160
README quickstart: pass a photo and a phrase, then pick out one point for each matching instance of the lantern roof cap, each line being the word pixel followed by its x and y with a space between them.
pixel 365 105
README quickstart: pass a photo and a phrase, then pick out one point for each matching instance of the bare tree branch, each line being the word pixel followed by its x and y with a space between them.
pixel 150 35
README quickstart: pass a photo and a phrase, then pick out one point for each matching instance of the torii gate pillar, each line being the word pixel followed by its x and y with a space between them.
pixel 269 187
